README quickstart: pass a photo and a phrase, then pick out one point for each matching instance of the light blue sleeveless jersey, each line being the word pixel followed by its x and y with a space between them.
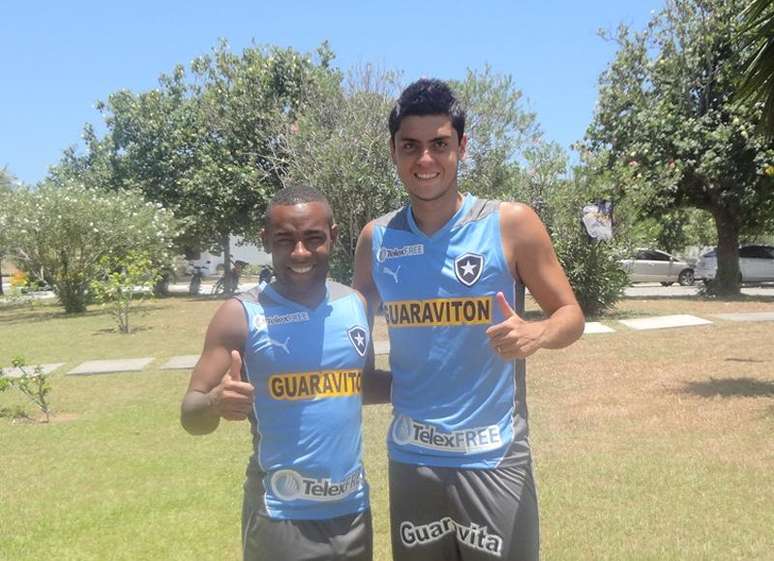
pixel 306 366
pixel 456 403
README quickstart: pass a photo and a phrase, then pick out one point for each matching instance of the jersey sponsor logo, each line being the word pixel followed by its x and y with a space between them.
pixel 406 430
pixel 473 536
pixel 359 339
pixel 282 319
pixel 386 253
pixel 262 322
pixel 439 311
pixel 468 267
pixel 289 485
pixel 315 385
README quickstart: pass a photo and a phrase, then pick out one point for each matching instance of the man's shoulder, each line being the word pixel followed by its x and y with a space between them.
pixel 394 220
pixel 480 210
pixel 338 291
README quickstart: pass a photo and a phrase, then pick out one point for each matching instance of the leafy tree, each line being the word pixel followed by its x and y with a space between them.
pixel 758 35
pixel 7 182
pixel 668 132
pixel 204 143
pixel 121 277
pixel 63 232
pixel 339 146
pixel 499 130
pixel 674 230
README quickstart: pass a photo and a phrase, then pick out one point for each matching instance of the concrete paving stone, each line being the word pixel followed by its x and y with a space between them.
pixel 106 366
pixel 664 322
pixel 747 316
pixel 596 327
pixel 182 362
pixel 12 372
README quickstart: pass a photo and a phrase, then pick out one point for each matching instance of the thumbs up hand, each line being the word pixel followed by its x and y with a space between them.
pixel 514 337
pixel 232 399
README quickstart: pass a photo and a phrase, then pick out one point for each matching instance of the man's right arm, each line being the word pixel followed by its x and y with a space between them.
pixel 362 278
pixel 376 383
pixel 216 390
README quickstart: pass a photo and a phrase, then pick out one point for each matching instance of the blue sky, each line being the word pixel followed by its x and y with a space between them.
pixel 59 58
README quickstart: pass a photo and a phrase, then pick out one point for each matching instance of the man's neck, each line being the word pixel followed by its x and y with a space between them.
pixel 308 298
pixel 431 216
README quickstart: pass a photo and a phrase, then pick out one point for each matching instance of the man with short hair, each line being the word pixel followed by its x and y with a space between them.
pixel 300 345
pixel 450 270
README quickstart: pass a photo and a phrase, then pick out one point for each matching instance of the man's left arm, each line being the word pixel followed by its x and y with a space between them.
pixel 532 259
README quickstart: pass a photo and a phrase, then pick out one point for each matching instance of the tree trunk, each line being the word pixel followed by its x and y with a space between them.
pixel 1 274
pixel 727 277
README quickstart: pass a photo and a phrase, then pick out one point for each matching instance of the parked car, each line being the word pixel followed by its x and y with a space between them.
pixel 756 264
pixel 653 265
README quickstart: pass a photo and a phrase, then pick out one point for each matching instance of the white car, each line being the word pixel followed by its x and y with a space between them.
pixel 653 265
pixel 756 264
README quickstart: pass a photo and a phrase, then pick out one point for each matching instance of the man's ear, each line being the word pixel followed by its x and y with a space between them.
pixel 463 146
pixel 266 240
pixel 392 150
pixel 334 233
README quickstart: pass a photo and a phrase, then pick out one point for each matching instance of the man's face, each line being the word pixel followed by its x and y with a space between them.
pixel 300 238
pixel 426 151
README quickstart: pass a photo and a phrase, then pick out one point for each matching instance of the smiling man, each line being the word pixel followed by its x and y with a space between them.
pixel 450 270
pixel 290 357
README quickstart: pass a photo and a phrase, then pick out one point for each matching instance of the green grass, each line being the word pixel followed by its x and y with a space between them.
pixel 647 446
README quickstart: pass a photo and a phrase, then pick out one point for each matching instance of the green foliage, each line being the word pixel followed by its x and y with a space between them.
pixel 668 133
pixel 757 34
pixel 204 143
pixel 499 133
pixel 674 230
pixel 340 147
pixel 35 385
pixel 121 280
pixel 62 234
pixel 592 266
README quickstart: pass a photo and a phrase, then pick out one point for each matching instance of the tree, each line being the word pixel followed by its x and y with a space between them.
pixel 7 182
pixel 500 132
pixel 119 281
pixel 758 81
pixel 63 232
pixel 204 143
pixel 339 146
pixel 668 132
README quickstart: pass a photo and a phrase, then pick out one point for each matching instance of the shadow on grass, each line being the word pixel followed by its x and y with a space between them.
pixel 48 312
pixel 733 359
pixel 115 331
pixel 730 387
pixel 706 298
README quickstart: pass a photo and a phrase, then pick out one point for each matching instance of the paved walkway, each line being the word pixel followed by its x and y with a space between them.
pixel 382 347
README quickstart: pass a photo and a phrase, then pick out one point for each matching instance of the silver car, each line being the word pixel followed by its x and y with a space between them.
pixel 756 264
pixel 653 265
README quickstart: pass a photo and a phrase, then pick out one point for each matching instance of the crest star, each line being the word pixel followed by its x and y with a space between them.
pixel 360 339
pixel 468 268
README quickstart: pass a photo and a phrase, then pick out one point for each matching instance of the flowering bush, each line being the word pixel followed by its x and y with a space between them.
pixel 65 232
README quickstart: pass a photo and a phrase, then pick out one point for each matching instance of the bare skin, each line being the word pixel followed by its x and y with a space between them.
pixel 299 238
pixel 425 168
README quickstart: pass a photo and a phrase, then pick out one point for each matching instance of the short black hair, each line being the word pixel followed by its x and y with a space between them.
pixel 296 195
pixel 428 96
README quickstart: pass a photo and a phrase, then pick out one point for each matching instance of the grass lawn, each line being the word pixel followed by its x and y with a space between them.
pixel 648 445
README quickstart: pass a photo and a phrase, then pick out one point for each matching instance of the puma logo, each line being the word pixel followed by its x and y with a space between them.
pixel 283 346
pixel 393 274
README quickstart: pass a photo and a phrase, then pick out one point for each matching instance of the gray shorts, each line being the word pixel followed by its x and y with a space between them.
pixel 347 538
pixel 452 514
